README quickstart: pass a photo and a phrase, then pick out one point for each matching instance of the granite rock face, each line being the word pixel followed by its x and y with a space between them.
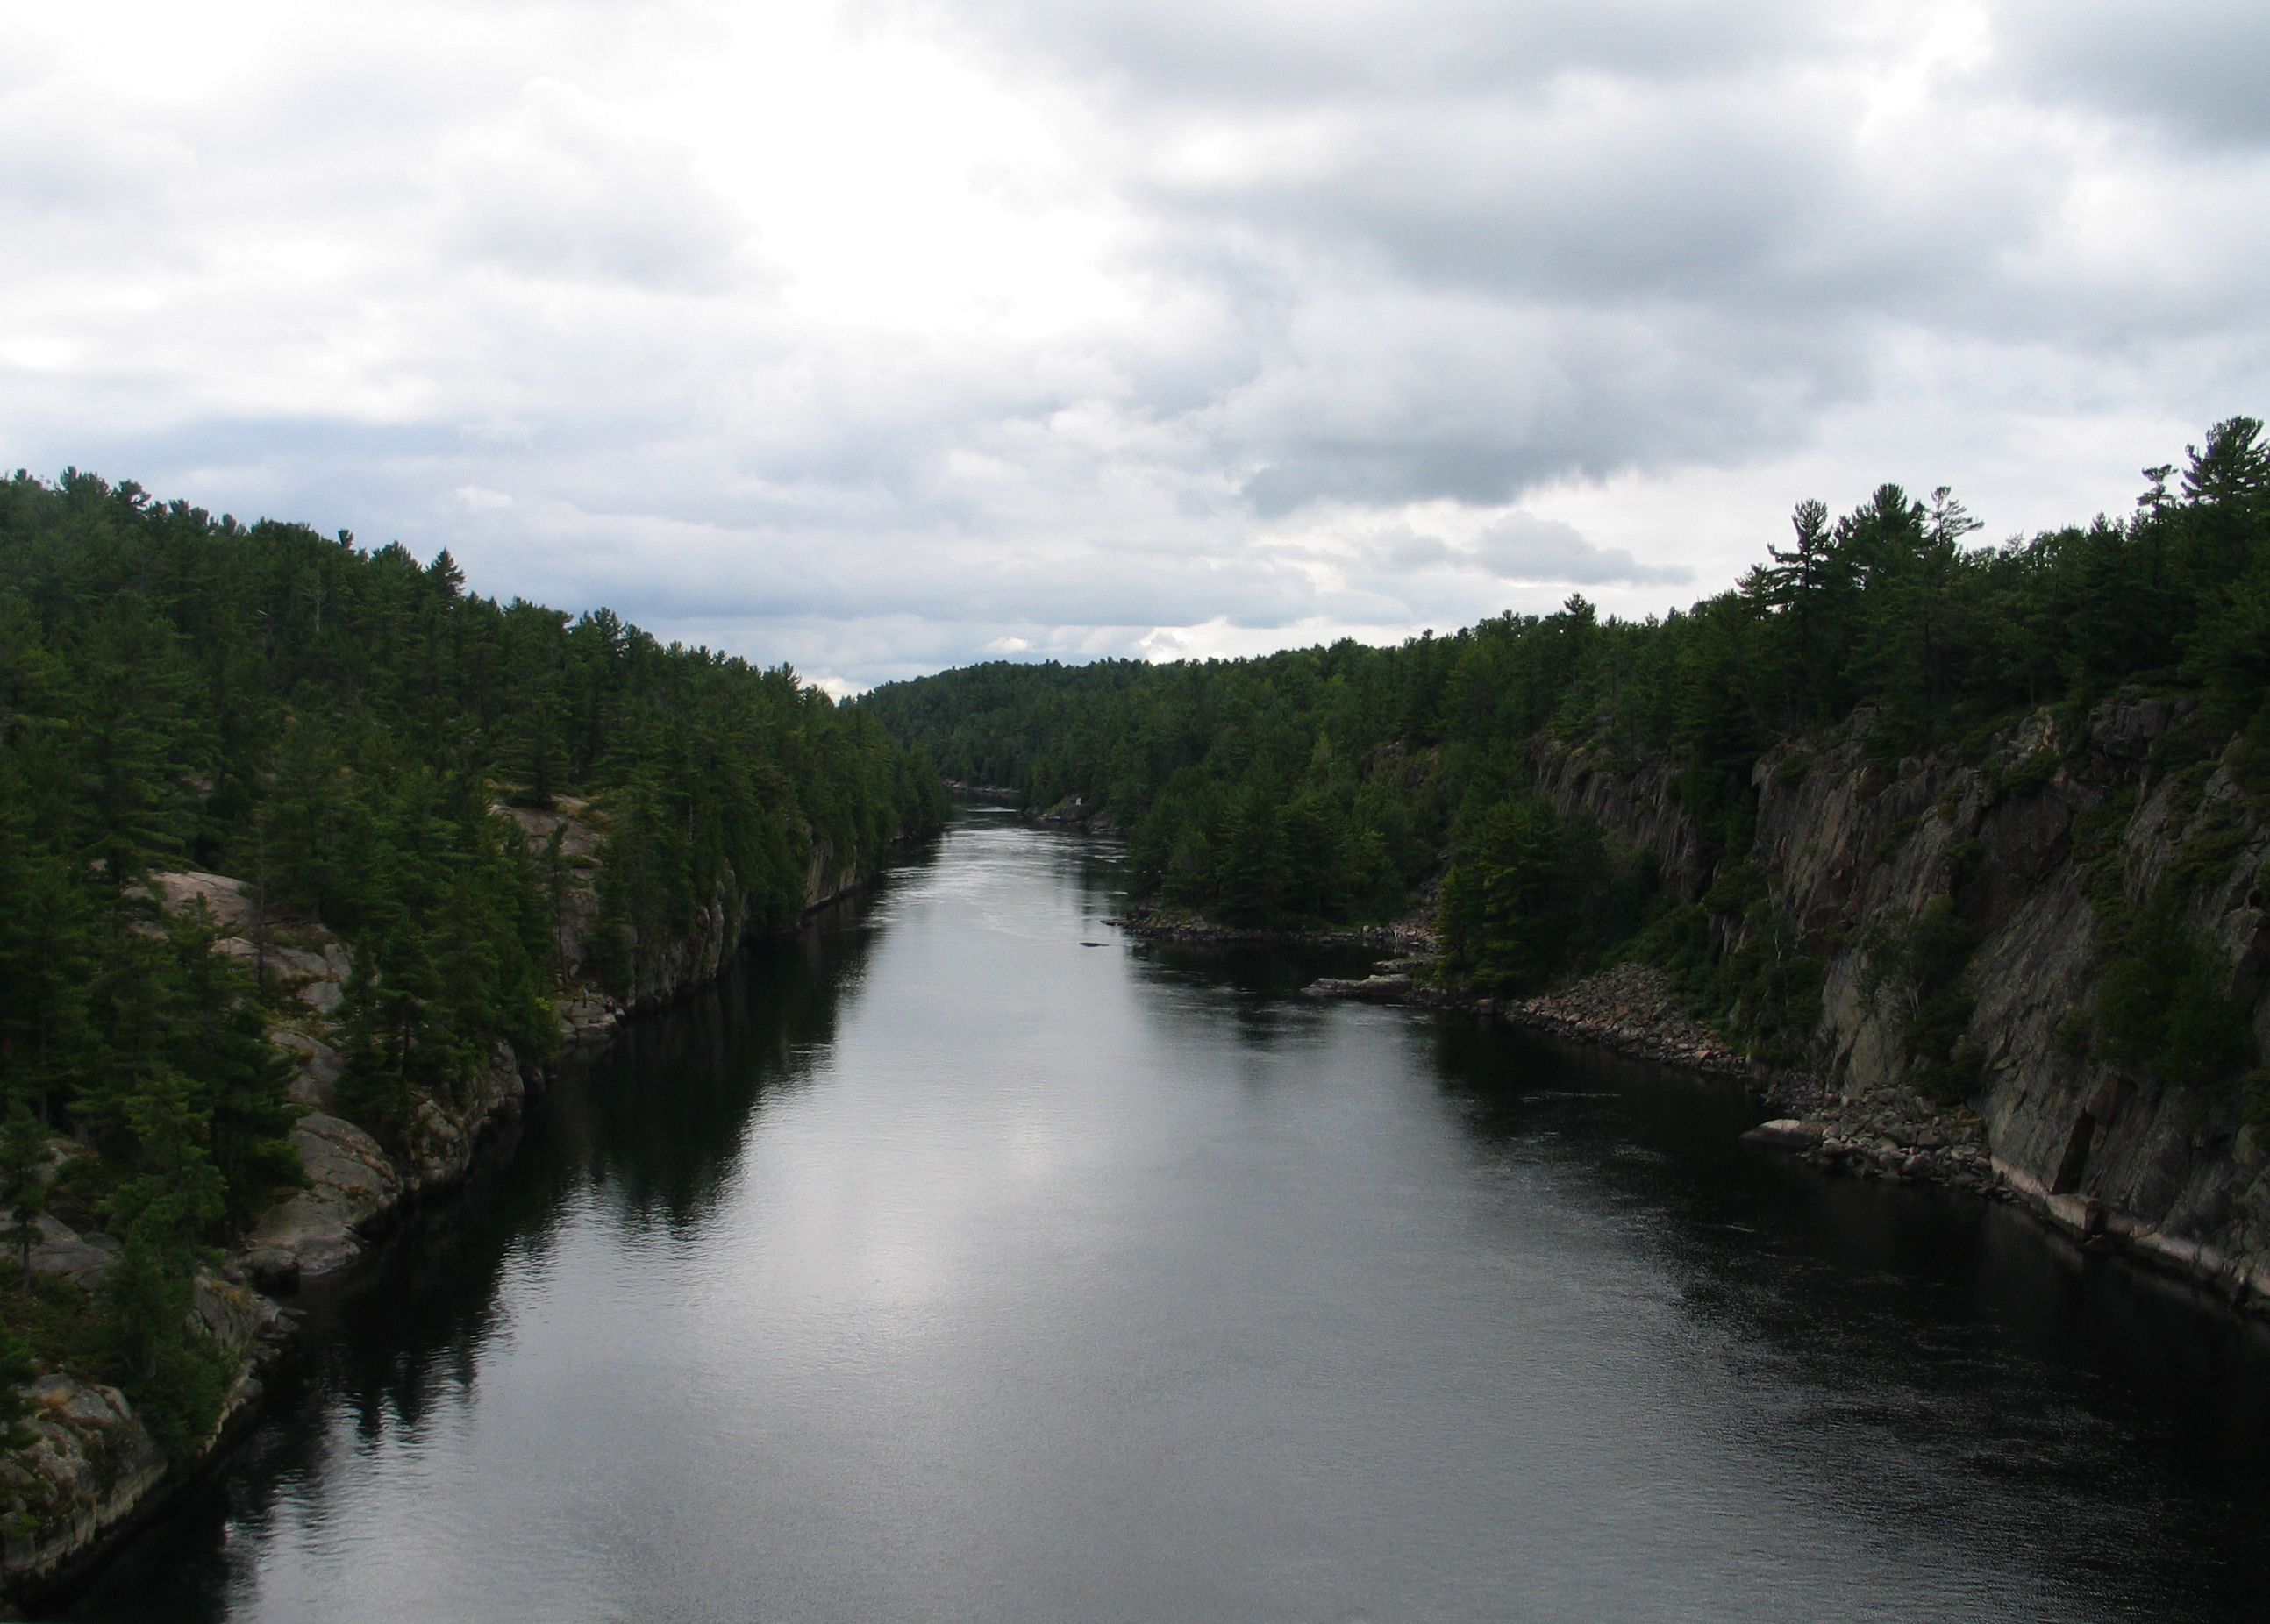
pixel 89 1463
pixel 352 1180
pixel 62 1251
pixel 1636 803
pixel 1852 850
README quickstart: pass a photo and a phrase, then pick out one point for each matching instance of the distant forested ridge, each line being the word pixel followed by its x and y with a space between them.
pixel 343 730
pixel 1336 784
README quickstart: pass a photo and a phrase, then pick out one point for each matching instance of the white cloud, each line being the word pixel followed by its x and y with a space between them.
pixel 883 337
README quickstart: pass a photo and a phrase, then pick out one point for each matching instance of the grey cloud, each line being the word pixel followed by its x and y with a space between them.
pixel 2198 68
pixel 1396 395
pixel 1526 547
pixel 1515 244
pixel 1747 195
pixel 1182 51
pixel 563 194
pixel 1523 547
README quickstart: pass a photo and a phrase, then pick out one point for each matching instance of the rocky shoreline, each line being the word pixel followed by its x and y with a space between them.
pixel 1003 794
pixel 1181 926
pixel 1887 1132
pixel 90 1474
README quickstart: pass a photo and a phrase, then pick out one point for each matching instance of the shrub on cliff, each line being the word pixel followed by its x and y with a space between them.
pixel 165 1361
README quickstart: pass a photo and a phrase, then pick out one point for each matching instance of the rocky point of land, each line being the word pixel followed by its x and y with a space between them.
pixel 1158 923
pixel 1887 1132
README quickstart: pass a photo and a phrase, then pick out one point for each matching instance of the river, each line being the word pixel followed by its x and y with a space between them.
pixel 939 1266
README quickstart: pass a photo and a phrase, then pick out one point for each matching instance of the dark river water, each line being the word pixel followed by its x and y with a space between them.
pixel 940 1267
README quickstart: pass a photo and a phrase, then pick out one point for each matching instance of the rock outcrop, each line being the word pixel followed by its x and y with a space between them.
pixel 1074 812
pixel 1373 989
pixel 355 1183
pixel 1180 925
pixel 2024 841
pixel 88 1465
pixel 1631 1010
pixel 1636 802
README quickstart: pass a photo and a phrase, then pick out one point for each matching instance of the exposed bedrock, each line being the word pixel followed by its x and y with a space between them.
pixel 87 1466
pixel 2035 843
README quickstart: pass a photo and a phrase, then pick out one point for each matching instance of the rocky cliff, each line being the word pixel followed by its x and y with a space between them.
pixel 84 1464
pixel 1973 920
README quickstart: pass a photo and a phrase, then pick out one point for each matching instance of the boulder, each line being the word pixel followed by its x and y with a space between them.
pixel 320 1066
pixel 63 1251
pixel 1785 1133
pixel 1371 988
pixel 351 1180
pixel 272 1268
pixel 229 901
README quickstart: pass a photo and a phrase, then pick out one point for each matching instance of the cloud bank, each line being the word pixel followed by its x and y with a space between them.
pixel 891 336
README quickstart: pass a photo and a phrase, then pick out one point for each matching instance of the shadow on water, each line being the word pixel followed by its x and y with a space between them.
pixel 1257 987
pixel 1894 1382
pixel 1913 1352
pixel 1916 1354
pixel 653 1125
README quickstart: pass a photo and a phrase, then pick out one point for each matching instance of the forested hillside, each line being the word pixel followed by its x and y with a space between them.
pixel 1331 785
pixel 338 728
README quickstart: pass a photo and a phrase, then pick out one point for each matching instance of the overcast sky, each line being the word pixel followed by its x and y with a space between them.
pixel 890 336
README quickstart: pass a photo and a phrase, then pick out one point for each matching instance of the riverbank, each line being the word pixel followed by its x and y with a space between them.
pixel 1158 923
pixel 936 1199
pixel 1884 1131
pixel 90 1474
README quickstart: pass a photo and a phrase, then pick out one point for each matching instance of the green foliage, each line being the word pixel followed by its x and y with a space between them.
pixel 179 1080
pixel 2254 1091
pixel 2163 1003
pixel 1506 907
pixel 1916 966
pixel 1397 759
pixel 23 1183
pixel 1530 895
pixel 56 1322
pixel 169 1365
pixel 1766 989
pixel 2163 1000
pixel 337 726
pixel 1888 610
pixel 2029 776
pixel 17 1365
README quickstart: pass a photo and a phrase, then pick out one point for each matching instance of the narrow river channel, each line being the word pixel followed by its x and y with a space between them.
pixel 939 1266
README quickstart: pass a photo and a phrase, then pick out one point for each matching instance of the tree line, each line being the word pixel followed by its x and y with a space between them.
pixel 1332 785
pixel 335 726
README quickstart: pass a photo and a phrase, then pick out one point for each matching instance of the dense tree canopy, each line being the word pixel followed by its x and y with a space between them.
pixel 335 726
pixel 1325 784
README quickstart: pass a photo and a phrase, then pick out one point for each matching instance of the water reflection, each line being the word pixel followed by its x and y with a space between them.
pixel 1973 1386
pixel 648 1132
pixel 938 1268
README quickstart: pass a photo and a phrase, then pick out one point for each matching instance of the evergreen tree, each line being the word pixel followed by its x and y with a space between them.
pixel 23 1182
